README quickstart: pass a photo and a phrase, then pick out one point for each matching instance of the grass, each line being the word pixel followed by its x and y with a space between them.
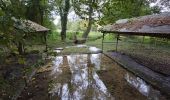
pixel 152 52
pixel 128 44
pixel 76 50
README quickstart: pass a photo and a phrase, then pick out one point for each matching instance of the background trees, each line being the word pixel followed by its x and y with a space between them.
pixel 35 10
pixel 90 12
pixel 121 9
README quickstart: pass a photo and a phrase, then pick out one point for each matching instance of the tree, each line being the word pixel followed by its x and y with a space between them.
pixel 87 10
pixel 11 9
pixel 63 7
pixel 120 9
pixel 20 10
pixel 37 14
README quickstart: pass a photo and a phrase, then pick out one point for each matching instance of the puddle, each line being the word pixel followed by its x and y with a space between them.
pixel 143 87
pixel 94 49
pixel 78 49
pixel 79 78
pixel 77 46
pixel 57 51
pixel 75 77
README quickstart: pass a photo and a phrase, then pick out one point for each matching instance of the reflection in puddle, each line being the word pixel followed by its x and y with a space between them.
pixel 95 59
pixel 56 69
pixel 143 87
pixel 58 51
pixel 94 49
pixel 75 78
pixel 77 46
pixel 84 83
pixel 138 84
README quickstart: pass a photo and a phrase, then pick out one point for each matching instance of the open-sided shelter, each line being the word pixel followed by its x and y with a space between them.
pixel 31 28
pixel 157 25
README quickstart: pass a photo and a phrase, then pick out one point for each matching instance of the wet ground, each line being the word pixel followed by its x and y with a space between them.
pixel 87 77
pixel 77 49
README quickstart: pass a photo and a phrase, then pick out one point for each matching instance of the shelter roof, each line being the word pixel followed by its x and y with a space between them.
pixel 29 26
pixel 150 25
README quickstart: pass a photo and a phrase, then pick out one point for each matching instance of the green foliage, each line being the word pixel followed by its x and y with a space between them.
pixel 81 7
pixel 120 9
pixel 3 83
pixel 12 12
pixel 21 60
pixel 53 36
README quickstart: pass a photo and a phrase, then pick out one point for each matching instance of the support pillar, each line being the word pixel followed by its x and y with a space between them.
pixel 102 41
pixel 117 41
pixel 45 38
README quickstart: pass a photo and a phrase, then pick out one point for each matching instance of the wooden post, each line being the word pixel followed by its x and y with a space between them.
pixel 102 41
pixel 143 39
pixel 45 37
pixel 117 41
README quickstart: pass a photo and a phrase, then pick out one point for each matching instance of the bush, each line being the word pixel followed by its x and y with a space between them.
pixel 53 37
pixel 70 35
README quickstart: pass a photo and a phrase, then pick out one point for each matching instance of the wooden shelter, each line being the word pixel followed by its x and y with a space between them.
pixel 31 27
pixel 157 25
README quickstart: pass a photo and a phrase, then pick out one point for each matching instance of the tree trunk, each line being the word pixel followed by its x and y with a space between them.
pixel 20 48
pixel 35 12
pixel 63 27
pixel 87 31
pixel 64 15
pixel 90 21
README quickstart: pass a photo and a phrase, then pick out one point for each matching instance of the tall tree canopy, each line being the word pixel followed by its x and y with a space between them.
pixel 120 9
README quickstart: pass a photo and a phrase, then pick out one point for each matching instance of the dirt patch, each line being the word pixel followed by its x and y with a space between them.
pixel 42 85
pixel 37 88
pixel 15 73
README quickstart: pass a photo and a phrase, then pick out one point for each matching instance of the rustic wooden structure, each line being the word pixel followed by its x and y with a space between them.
pixel 157 25
pixel 31 27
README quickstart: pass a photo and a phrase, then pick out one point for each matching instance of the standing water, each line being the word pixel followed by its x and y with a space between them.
pixel 96 77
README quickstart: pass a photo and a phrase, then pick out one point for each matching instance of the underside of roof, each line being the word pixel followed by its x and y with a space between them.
pixel 157 25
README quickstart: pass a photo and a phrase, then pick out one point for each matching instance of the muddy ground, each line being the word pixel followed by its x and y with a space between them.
pixel 109 76
pixel 37 89
pixel 15 72
pixel 121 90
